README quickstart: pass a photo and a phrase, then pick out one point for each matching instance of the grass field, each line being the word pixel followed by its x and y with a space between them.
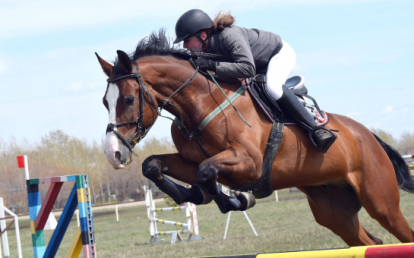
pixel 284 226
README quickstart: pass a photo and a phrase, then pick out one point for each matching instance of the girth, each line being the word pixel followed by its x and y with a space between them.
pixel 263 187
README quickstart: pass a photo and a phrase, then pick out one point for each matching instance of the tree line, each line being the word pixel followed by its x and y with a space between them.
pixel 59 154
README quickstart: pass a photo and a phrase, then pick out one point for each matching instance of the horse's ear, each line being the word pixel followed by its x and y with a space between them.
pixel 124 61
pixel 106 67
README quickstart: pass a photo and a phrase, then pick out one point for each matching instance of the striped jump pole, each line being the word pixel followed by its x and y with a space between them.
pixel 39 213
pixel 191 227
pixel 377 251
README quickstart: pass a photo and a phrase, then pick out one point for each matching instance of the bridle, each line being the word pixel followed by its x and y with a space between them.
pixel 140 132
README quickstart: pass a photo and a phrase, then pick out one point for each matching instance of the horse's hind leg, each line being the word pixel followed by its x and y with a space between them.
pixel 175 166
pixel 379 194
pixel 336 207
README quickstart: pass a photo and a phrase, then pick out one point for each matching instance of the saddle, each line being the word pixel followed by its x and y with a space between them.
pixel 257 89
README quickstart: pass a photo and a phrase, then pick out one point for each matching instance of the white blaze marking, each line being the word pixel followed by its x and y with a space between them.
pixel 112 142
pixel 112 98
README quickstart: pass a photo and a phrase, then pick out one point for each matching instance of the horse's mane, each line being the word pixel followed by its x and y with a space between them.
pixel 155 44
pixel 158 44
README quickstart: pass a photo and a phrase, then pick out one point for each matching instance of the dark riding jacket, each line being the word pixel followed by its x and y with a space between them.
pixel 250 49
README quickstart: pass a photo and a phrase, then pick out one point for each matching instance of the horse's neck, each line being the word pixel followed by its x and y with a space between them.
pixel 194 101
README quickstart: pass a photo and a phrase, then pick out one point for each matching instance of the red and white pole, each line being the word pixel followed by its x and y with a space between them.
pixel 22 163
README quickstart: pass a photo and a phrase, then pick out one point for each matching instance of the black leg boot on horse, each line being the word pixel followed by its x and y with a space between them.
pixel 151 169
pixel 320 137
pixel 229 201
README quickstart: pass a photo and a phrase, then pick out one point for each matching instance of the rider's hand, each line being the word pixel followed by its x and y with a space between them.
pixel 205 64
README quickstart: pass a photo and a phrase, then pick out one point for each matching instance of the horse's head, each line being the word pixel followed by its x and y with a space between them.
pixel 130 117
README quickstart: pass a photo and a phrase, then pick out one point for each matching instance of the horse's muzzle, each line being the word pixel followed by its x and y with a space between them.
pixel 117 153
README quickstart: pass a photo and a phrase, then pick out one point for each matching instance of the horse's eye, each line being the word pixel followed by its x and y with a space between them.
pixel 129 100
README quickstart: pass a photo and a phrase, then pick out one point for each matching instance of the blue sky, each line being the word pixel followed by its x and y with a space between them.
pixel 356 56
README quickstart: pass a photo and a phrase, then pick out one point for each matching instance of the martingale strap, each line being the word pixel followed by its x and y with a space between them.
pixel 194 135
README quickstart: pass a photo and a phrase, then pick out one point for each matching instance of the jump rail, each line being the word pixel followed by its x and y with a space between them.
pixel 380 251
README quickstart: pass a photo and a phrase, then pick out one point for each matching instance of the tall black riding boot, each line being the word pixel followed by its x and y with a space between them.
pixel 321 137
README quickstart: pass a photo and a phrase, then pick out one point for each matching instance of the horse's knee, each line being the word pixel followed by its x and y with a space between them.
pixel 207 176
pixel 207 172
pixel 151 168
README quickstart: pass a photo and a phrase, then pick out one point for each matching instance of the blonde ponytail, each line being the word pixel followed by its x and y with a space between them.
pixel 222 21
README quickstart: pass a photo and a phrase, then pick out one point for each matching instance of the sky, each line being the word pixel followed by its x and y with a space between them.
pixel 355 55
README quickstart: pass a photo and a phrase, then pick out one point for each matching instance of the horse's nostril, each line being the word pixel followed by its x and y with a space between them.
pixel 117 155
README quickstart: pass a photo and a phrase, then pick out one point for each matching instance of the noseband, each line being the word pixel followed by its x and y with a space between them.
pixel 140 132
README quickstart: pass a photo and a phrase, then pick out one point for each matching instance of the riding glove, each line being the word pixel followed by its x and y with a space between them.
pixel 205 64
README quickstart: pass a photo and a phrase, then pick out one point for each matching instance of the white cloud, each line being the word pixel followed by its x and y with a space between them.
pixel 387 110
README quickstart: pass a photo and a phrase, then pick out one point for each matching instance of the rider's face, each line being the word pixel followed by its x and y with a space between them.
pixel 192 43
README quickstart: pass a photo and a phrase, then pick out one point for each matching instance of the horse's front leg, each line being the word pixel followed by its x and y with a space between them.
pixel 177 167
pixel 232 167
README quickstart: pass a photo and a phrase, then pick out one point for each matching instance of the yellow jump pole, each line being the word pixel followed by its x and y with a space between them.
pixel 76 247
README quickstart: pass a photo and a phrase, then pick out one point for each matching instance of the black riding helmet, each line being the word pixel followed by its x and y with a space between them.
pixel 190 23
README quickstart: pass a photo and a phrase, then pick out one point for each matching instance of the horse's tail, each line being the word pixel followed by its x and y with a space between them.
pixel 405 182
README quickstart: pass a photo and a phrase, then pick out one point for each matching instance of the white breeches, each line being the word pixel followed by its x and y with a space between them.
pixel 279 69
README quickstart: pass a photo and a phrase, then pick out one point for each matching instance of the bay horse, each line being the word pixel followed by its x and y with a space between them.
pixel 358 170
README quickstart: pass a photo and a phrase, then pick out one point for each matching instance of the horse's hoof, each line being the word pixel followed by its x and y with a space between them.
pixel 227 203
pixel 246 199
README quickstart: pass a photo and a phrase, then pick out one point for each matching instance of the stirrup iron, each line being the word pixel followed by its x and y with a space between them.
pixel 328 144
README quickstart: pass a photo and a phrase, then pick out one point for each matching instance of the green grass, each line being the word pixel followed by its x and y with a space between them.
pixel 283 226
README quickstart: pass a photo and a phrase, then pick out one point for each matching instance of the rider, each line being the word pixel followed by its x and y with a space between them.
pixel 252 51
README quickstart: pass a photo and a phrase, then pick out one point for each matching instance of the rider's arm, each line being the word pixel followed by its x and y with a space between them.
pixel 237 45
